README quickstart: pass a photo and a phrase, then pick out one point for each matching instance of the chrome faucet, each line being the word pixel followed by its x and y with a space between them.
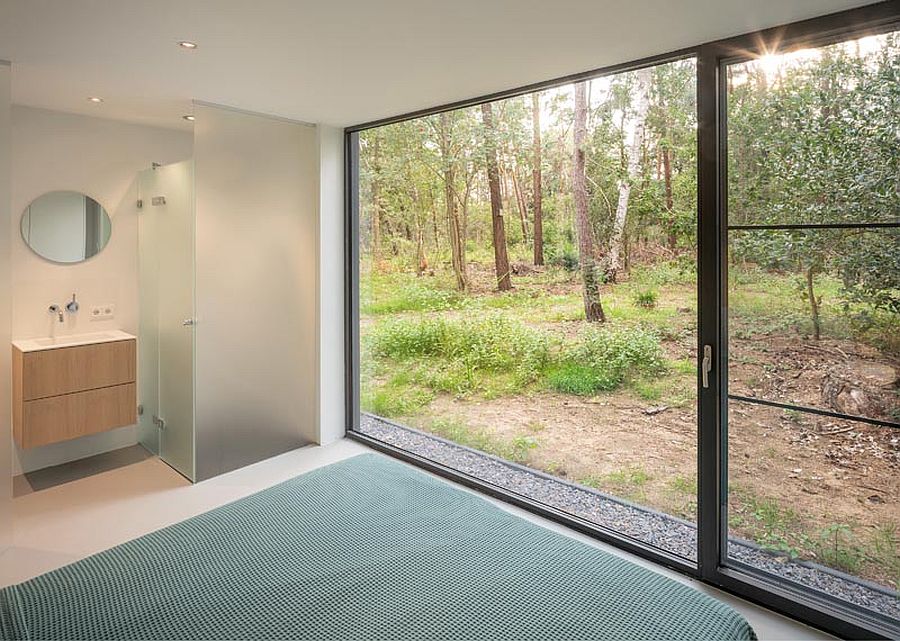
pixel 72 305
pixel 56 309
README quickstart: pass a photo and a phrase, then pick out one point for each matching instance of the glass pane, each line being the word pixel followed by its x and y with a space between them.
pixel 167 274
pixel 562 368
pixel 814 319
pixel 815 500
pixel 176 304
pixel 813 135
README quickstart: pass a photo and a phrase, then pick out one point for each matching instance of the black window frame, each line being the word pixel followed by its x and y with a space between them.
pixel 713 567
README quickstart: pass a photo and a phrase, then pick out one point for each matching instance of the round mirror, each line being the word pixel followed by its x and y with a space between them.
pixel 65 226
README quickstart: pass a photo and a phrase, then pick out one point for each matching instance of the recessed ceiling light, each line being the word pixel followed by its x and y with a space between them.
pixel 95 99
pixel 189 118
pixel 187 44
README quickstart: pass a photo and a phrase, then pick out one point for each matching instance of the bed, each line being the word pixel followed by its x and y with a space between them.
pixel 365 549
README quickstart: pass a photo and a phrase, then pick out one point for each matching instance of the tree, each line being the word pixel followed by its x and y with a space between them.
pixel 501 259
pixel 593 308
pixel 455 223
pixel 536 180
pixel 641 96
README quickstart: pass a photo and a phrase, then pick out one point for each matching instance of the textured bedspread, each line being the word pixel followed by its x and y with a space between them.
pixel 364 549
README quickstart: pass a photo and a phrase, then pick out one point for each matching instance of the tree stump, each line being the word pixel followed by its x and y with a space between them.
pixel 861 388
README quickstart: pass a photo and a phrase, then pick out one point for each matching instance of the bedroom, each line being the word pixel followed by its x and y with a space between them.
pixel 295 243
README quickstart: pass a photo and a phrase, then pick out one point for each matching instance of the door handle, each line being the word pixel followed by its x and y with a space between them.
pixel 187 322
pixel 706 365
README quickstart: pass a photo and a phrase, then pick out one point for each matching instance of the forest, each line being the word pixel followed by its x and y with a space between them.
pixel 528 287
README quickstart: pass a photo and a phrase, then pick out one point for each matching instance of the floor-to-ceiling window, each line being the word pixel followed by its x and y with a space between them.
pixel 528 292
pixel 813 268
pixel 525 308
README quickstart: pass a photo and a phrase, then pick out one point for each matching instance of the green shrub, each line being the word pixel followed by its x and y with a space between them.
pixel 646 299
pixel 567 259
pixel 574 378
pixel 460 348
pixel 604 358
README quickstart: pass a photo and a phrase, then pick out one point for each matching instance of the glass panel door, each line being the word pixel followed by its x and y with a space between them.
pixel 167 333
pixel 528 298
pixel 813 272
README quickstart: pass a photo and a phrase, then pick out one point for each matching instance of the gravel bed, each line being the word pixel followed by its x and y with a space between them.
pixel 654 528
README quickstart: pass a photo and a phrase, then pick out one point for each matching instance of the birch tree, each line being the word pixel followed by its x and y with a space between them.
pixel 536 179
pixel 641 94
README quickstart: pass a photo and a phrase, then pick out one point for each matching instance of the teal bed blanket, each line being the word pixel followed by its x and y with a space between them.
pixel 365 549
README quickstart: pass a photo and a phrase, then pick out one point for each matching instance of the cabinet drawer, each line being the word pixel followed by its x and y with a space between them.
pixel 60 418
pixel 73 369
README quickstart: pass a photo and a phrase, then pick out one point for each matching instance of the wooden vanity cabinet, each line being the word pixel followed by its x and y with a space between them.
pixel 67 392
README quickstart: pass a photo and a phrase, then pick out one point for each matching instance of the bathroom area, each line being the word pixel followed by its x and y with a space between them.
pixel 143 332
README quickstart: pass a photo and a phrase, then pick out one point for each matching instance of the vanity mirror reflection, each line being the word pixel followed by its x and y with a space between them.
pixel 65 226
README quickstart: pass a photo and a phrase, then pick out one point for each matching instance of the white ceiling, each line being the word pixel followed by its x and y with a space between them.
pixel 340 62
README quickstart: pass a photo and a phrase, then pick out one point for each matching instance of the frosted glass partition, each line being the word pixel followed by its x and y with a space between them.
pixel 166 244
pixel 257 197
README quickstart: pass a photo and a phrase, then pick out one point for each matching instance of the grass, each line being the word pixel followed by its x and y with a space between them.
pixel 496 355
pixel 602 359
pixel 516 449
pixel 392 293
pixel 628 482
pixel 396 397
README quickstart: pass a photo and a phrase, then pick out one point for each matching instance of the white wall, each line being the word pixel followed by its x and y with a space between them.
pixel 5 316
pixel 257 191
pixel 331 285
pixel 57 151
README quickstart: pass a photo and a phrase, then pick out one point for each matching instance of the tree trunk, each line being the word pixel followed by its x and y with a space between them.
pixel 593 308
pixel 670 203
pixel 642 91
pixel 520 202
pixel 455 230
pixel 536 180
pixel 421 258
pixel 376 204
pixel 501 260
pixel 813 303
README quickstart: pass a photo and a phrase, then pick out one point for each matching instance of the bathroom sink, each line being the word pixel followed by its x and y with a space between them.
pixel 69 340
pixel 51 342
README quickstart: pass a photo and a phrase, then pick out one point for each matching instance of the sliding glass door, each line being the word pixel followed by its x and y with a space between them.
pixel 812 266
pixel 659 303
pixel 528 297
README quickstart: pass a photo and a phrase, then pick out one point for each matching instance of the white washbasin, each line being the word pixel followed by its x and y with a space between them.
pixel 52 342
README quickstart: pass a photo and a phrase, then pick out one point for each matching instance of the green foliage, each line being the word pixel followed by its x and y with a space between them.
pixel 393 293
pixel 838 549
pixel 604 358
pixel 646 298
pixel 628 482
pixel 398 397
pixel 516 450
pixel 463 348
pixel 574 378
